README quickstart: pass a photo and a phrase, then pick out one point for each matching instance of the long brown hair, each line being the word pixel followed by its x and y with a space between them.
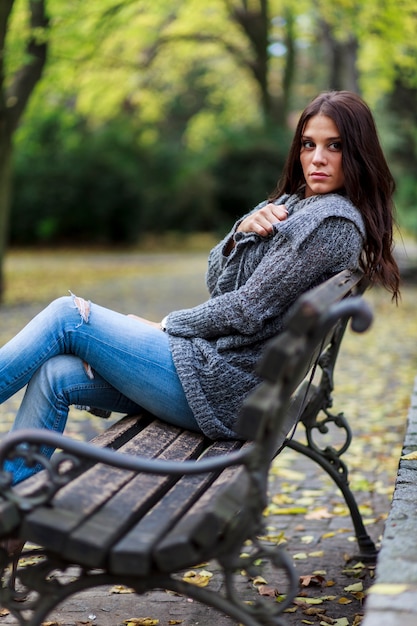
pixel 369 183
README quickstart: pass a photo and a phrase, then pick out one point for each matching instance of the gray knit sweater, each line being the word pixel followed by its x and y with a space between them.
pixel 216 345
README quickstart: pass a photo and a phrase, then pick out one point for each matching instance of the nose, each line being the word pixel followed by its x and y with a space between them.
pixel 319 155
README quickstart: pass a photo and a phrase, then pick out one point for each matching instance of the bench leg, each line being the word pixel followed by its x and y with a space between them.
pixel 337 470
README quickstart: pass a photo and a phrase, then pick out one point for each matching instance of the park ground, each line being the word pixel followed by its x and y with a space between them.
pixel 374 380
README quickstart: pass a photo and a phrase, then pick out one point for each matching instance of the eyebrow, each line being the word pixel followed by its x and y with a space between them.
pixel 338 138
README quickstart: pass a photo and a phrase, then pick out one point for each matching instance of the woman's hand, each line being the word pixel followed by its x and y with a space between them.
pixel 262 220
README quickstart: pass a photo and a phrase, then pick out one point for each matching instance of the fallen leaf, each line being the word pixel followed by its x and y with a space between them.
pixel 411 456
pixel 277 538
pixel 294 510
pixel 267 591
pixel 320 513
pixel 355 587
pixel 172 622
pixel 259 580
pixel 314 610
pixel 307 539
pixel 301 601
pixel 344 600
pixel 121 589
pixel 200 579
pixel 311 579
pixel 359 595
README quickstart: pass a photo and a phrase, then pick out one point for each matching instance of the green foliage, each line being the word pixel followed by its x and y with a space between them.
pixel 247 170
pixel 149 118
pixel 104 184
pixel 76 184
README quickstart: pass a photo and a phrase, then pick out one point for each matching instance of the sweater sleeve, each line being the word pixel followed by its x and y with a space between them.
pixel 217 257
pixel 280 277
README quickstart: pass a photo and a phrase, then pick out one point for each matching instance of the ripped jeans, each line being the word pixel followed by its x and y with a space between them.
pixel 129 367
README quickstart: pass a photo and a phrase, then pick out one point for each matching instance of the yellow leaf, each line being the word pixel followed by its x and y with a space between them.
pixel 303 600
pixel 307 539
pixel 344 601
pixel 121 589
pixel 278 538
pixel 282 498
pixel 355 587
pixel 299 556
pixel 259 581
pixel 294 510
pixel 171 622
pixel 316 553
pixel 200 579
pixel 411 456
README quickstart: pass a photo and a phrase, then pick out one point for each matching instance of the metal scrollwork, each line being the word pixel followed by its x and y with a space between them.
pixel 330 452
pixel 57 473
pixel 262 611
pixel 52 580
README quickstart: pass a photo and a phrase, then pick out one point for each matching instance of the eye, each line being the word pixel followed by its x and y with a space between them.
pixel 336 146
pixel 307 144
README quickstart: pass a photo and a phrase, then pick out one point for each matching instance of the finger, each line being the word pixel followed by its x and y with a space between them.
pixel 279 211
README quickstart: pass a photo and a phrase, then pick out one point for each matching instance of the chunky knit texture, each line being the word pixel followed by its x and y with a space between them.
pixel 216 345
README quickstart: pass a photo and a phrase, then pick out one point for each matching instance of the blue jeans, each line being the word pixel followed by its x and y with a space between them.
pixel 76 352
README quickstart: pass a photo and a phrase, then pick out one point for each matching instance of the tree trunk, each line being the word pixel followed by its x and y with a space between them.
pixel 342 58
pixel 255 23
pixel 13 101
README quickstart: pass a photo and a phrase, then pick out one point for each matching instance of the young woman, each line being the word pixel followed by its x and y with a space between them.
pixel 332 210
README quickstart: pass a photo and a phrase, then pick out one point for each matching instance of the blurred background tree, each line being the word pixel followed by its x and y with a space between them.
pixel 175 115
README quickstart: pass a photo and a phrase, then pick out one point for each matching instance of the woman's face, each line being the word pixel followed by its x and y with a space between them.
pixel 321 156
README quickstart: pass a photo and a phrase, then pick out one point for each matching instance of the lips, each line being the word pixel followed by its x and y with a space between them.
pixel 319 176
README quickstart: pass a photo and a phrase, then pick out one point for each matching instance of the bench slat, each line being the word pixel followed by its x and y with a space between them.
pixel 134 552
pixel 75 502
pixel 90 541
pixel 202 530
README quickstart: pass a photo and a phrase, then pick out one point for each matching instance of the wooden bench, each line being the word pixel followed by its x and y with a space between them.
pixel 146 500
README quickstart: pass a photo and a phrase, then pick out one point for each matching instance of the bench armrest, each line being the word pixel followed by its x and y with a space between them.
pixel 27 442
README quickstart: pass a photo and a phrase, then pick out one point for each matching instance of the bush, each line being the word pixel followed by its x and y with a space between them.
pixel 99 185
pixel 75 184
pixel 247 172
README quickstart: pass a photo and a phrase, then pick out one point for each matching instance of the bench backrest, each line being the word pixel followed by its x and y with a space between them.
pixel 312 336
